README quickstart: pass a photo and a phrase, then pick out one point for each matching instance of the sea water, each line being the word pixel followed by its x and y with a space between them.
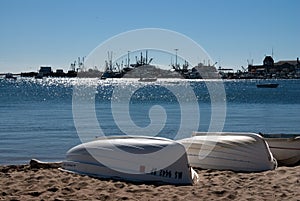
pixel 44 118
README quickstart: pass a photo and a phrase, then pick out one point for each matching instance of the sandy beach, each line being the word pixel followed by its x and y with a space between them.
pixel 22 182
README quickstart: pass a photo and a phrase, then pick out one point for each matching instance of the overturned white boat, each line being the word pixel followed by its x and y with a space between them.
pixel 132 158
pixel 245 152
pixel 284 147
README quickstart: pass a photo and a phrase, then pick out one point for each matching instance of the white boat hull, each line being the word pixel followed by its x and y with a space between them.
pixel 161 161
pixel 285 150
pixel 246 152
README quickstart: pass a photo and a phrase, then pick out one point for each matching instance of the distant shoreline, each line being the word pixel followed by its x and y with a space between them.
pixel 255 78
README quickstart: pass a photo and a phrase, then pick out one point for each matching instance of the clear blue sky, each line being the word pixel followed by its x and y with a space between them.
pixel 56 32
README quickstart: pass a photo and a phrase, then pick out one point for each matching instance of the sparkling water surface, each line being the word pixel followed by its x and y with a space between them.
pixel 37 116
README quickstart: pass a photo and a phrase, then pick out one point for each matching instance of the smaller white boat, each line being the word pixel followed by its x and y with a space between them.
pixel 245 152
pixel 145 79
pixel 284 147
pixel 132 158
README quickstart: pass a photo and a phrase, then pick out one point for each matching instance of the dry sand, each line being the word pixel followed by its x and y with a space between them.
pixel 25 183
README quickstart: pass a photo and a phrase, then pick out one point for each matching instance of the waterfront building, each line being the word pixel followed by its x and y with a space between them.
pixel 271 69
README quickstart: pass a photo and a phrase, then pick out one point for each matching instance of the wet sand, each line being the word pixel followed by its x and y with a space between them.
pixel 23 182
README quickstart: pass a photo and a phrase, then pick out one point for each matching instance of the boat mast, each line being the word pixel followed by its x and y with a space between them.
pixel 176 57
pixel 128 60
pixel 146 56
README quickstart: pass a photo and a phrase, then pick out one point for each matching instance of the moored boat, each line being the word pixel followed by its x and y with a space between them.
pixel 245 152
pixel 10 76
pixel 132 158
pixel 145 79
pixel 267 85
pixel 284 147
